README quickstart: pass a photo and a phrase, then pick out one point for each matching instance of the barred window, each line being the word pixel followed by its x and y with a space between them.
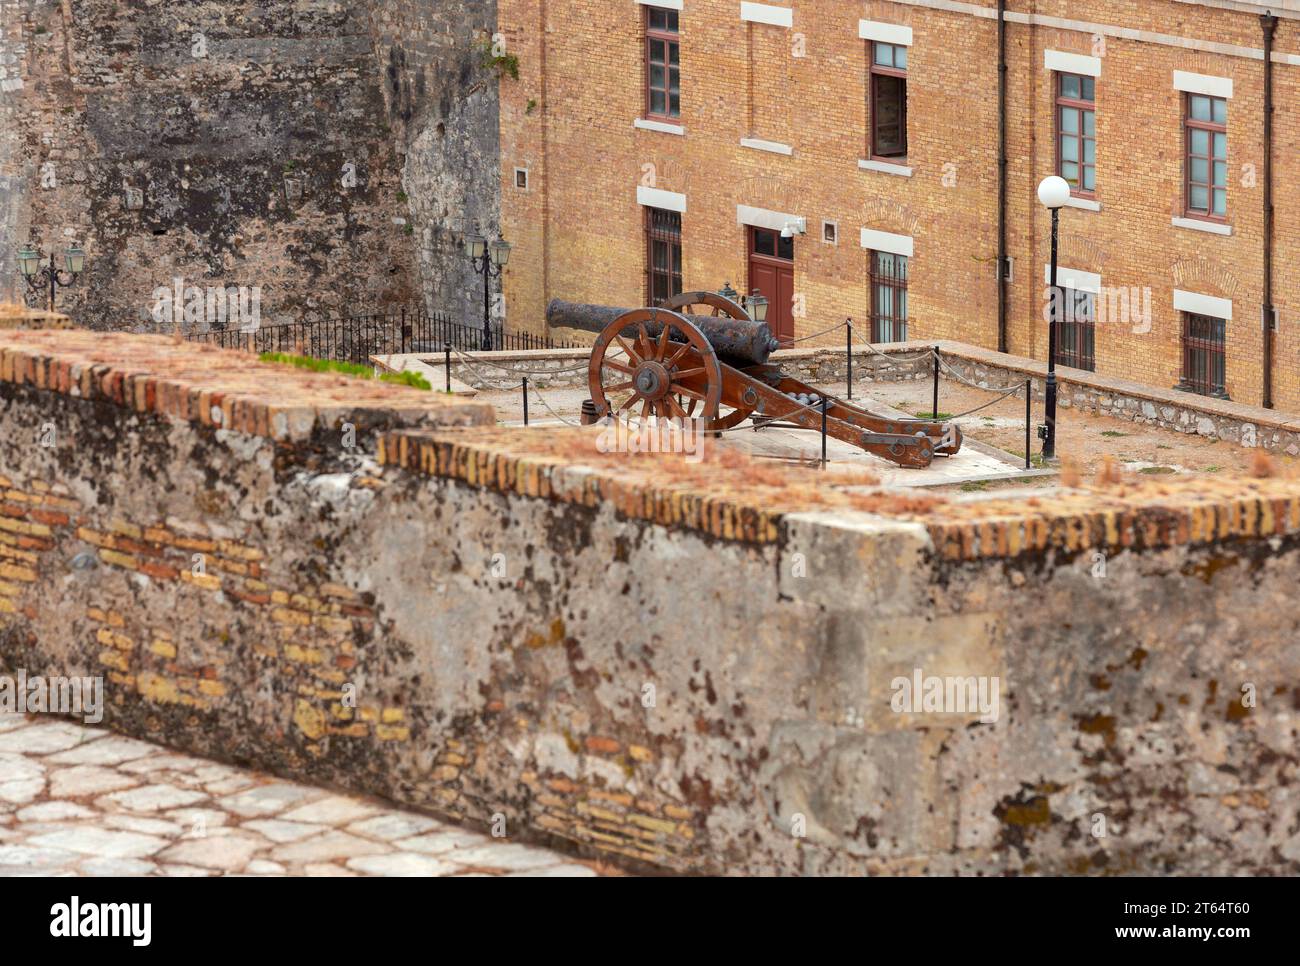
pixel 1076 336
pixel 1204 341
pixel 888 297
pixel 663 254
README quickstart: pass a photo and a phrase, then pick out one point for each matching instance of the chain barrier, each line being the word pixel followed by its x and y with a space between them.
pixel 537 392
pixel 487 383
pixel 1002 394
pixel 815 335
pixel 960 378
pixel 890 356
pixel 735 429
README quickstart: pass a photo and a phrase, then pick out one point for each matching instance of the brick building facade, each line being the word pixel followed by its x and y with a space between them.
pixel 868 133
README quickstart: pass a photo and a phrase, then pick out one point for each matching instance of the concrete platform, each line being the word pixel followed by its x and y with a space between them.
pixel 975 462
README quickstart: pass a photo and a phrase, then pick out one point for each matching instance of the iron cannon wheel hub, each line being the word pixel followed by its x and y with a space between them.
pixel 652 380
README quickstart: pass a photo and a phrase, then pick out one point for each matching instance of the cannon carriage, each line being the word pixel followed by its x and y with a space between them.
pixel 674 361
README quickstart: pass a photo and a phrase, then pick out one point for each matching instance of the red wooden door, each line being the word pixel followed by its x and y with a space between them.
pixel 771 271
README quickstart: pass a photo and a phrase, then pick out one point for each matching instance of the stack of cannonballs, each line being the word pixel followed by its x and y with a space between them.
pixel 810 399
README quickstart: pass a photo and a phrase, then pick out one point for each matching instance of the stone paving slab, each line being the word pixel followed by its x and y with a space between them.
pixel 76 800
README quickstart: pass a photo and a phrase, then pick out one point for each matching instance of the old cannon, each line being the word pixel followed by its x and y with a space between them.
pixel 672 362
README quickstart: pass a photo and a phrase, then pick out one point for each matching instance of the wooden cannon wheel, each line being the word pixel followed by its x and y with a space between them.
pixel 720 304
pixel 687 303
pixel 631 370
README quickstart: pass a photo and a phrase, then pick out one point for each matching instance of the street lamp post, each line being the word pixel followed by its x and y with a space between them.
pixel 29 264
pixel 1053 192
pixel 489 259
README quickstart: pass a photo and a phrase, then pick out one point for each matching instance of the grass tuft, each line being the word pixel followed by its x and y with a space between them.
pixel 412 379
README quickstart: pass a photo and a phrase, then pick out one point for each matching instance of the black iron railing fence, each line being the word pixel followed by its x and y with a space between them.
pixel 355 338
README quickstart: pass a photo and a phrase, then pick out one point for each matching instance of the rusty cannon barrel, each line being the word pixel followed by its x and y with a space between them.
pixel 741 341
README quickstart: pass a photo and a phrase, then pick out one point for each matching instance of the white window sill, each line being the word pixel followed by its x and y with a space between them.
pixel 767 13
pixel 774 147
pixel 886 167
pixel 1083 204
pixel 663 127
pixel 1195 224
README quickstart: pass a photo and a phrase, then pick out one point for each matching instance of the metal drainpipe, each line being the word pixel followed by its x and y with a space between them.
pixel 544 85
pixel 1002 175
pixel 1269 23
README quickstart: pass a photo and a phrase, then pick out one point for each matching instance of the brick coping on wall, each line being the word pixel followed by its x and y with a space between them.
pixel 217 387
pixel 726 495
pixel 732 499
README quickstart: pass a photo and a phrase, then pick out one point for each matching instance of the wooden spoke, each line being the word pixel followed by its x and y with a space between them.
pixel 683 391
pixel 674 409
pixel 644 340
pixel 687 372
pixel 680 352
pixel 614 364
pixel 663 343
pixel 627 348
pixel 621 385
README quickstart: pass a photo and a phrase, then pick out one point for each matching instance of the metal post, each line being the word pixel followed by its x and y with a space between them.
pixel 1029 417
pixel 54 280
pixel 403 329
pixel 936 383
pixel 525 400
pixel 1269 24
pixel 1049 442
pixel 823 431
pixel 848 354
pixel 447 365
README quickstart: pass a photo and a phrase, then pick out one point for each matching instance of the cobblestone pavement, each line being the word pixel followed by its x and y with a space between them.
pixel 76 800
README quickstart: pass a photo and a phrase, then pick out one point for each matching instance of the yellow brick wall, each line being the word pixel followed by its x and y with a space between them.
pixel 770 72
pixel 579 230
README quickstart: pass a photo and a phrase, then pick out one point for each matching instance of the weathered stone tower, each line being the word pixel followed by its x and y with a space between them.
pixel 330 153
